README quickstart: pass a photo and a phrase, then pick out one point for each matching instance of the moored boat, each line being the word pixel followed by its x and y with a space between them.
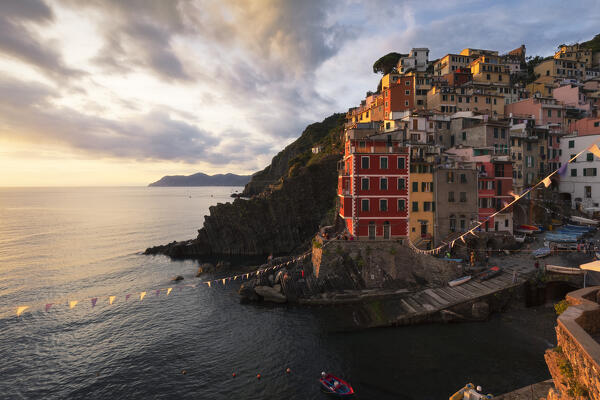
pixel 459 281
pixel 470 393
pixel 489 273
pixel 564 270
pixel 335 386
pixel 541 252
pixel 458 260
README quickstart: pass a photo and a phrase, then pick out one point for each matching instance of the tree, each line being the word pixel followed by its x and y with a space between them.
pixel 387 63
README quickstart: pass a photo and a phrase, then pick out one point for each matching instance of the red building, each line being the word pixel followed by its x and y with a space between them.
pixel 494 188
pixel 373 182
pixel 399 96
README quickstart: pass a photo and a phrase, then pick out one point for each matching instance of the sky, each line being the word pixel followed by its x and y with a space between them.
pixel 113 92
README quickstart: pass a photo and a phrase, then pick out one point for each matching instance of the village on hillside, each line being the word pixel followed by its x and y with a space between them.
pixel 443 145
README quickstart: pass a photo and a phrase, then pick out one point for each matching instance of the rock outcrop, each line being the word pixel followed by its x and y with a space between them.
pixel 283 217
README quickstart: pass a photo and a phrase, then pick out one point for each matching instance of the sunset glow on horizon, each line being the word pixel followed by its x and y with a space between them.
pixel 100 93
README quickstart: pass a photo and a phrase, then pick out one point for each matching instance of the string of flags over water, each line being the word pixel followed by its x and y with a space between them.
pixel 93 301
pixel 546 182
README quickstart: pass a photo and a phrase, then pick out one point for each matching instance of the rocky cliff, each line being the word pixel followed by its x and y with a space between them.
pixel 297 194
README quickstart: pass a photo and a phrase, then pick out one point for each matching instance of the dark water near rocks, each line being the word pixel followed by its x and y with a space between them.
pixel 79 243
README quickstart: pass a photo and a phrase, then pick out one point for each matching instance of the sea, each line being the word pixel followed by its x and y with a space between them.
pixel 62 247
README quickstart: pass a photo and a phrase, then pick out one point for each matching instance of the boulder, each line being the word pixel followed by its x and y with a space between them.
pixel 204 268
pixel 480 310
pixel 223 264
pixel 247 293
pixel 177 278
pixel 270 294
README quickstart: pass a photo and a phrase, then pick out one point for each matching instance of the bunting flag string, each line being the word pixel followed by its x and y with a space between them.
pixel 111 299
pixel 560 171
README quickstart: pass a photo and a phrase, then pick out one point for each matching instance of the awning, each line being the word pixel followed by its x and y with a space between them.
pixel 593 266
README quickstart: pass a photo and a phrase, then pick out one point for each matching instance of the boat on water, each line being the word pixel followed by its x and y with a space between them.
pixel 459 281
pixel 489 273
pixel 530 228
pixel 469 392
pixel 458 260
pixel 564 270
pixel 335 386
pixel 586 221
pixel 541 252
pixel 520 239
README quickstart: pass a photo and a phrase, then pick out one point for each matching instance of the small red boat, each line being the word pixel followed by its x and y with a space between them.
pixel 335 386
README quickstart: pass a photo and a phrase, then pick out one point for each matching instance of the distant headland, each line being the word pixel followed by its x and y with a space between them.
pixel 201 179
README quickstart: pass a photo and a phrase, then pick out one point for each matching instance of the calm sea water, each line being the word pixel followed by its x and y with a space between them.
pixel 61 244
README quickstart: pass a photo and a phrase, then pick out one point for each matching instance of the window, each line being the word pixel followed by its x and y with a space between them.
pixel 426 206
pixel 503 133
pixel 450 197
pixel 383 205
pixel 365 205
pixel 401 205
pixel 401 184
pixel 589 172
pixel 571 144
pixel 549 113
pixel 463 197
pixel 488 77
pixel 495 133
pixel 463 178
pixel 406 103
pixel 407 83
pixel 596 124
pixel 364 184
pixel 464 136
pixel 407 92
pixel 362 144
pixel 588 192
pixel 452 223
pixel 383 162
pixel 415 206
pixel 401 163
pixel 590 157
pixel 415 186
pixel 450 177
pixel 365 162
pixel 573 171
pixel 383 183
pixel 462 223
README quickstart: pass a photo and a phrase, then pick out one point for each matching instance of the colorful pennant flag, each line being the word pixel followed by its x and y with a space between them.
pixel 73 303
pixel 94 300
pixel 547 182
pixel 223 281
pixel 111 299
pixel 48 305
pixel 142 294
pixel 208 283
pixel 563 169
pixel 157 292
pixel 595 150
pixel 235 277
pixel 463 239
pixel 21 309
pixel 169 290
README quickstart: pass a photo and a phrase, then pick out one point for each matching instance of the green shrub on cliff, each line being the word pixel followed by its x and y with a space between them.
pixel 561 306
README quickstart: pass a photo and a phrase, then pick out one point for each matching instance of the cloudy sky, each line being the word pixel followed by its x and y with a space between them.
pixel 121 92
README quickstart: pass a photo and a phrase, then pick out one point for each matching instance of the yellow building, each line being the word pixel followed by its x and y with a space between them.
pixel 478 52
pixel 552 69
pixel 490 69
pixel 450 63
pixel 422 84
pixel 543 88
pixel 448 100
pixel 575 53
pixel 421 199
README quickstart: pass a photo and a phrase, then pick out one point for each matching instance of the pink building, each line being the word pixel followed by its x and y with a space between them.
pixel 586 126
pixel 572 95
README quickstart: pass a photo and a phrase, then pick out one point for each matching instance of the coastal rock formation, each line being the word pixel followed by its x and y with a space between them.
pixel 283 217
pixel 270 294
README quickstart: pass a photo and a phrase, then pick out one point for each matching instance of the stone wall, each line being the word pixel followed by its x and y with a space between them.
pixel 380 264
pixel 575 363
